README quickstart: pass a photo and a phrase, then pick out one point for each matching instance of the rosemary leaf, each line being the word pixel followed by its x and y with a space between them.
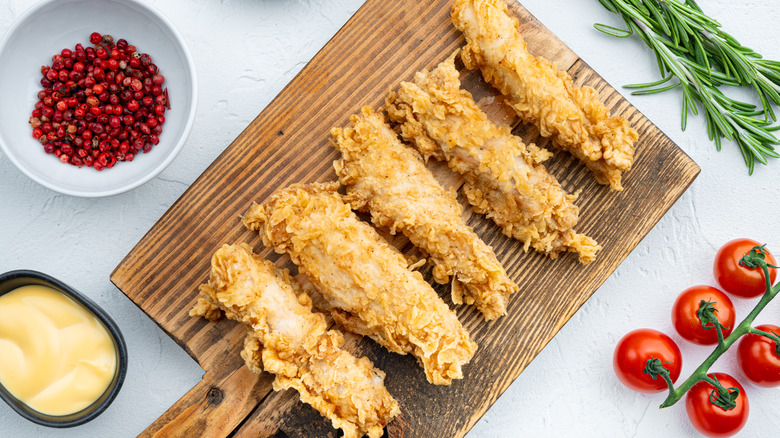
pixel 694 53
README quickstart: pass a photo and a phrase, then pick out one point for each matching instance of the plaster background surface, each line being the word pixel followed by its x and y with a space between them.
pixel 245 52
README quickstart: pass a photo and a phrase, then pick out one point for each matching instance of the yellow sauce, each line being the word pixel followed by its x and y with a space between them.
pixel 55 355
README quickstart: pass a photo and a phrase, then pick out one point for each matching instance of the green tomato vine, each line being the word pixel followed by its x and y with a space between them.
pixel 722 397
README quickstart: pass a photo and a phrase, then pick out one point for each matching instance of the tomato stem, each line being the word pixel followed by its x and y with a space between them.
pixel 708 319
pixel 720 396
pixel 754 258
pixel 771 335
pixel 721 343
pixel 654 367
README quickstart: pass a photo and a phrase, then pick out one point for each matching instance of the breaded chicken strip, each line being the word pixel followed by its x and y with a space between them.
pixel 364 279
pixel 573 117
pixel 390 180
pixel 292 342
pixel 504 177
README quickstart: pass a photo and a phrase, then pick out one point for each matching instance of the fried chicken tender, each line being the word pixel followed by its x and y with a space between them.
pixel 362 277
pixel 573 117
pixel 504 177
pixel 289 340
pixel 390 180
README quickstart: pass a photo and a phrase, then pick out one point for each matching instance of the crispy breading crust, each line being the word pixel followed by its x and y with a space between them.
pixel 573 117
pixel 289 340
pixel 390 180
pixel 363 278
pixel 504 177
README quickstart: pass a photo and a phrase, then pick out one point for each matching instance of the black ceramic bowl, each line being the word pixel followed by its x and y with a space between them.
pixel 14 279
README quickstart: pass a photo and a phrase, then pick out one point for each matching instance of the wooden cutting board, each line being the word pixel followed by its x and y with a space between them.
pixel 384 43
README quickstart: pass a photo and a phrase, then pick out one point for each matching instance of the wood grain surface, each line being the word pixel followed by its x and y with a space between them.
pixel 381 45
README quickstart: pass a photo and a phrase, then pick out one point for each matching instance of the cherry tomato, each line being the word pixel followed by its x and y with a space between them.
pixel 711 420
pixel 687 322
pixel 740 280
pixel 632 353
pixel 757 358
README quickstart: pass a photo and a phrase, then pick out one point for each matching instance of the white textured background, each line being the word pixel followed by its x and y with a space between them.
pixel 245 52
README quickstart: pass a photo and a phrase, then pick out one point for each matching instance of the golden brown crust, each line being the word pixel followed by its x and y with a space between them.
pixel 505 179
pixel 573 117
pixel 390 180
pixel 290 341
pixel 364 278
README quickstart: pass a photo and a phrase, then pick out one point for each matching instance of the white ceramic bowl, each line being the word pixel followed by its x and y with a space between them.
pixel 43 31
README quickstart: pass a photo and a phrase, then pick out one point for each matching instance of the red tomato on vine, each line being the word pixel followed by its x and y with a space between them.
pixel 688 311
pixel 635 349
pixel 757 356
pixel 740 280
pixel 710 419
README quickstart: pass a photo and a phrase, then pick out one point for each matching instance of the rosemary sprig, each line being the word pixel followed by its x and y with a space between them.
pixel 691 48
